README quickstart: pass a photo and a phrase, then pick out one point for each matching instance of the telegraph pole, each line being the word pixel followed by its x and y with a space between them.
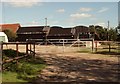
pixel 45 34
pixel 109 34
pixel 45 22
pixel 108 30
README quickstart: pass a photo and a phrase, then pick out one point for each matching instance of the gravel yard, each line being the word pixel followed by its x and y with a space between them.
pixel 67 65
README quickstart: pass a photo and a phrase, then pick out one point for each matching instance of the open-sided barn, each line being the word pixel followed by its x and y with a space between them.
pixel 81 32
pixel 59 33
pixel 33 32
pixel 55 32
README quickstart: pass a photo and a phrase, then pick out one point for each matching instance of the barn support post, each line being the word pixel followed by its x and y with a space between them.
pixel 27 48
pixel 63 45
pixel 34 49
pixel 30 48
pixel 17 49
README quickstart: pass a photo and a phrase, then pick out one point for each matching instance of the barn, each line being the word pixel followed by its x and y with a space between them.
pixel 81 32
pixel 57 32
pixel 12 27
pixel 54 32
pixel 31 32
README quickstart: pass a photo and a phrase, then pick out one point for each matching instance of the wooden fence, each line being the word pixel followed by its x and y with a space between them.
pixel 29 51
pixel 107 46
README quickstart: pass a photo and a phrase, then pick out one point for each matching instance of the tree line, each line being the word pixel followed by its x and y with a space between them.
pixel 102 34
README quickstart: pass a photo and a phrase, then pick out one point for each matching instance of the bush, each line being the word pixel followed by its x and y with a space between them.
pixel 26 68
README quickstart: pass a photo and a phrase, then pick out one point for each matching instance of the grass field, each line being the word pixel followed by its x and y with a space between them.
pixel 24 70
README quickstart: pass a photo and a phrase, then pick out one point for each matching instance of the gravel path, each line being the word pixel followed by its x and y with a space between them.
pixel 79 67
pixel 70 66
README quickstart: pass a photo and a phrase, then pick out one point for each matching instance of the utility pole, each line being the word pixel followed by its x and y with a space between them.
pixel 108 30
pixel 45 34
pixel 109 34
pixel 45 22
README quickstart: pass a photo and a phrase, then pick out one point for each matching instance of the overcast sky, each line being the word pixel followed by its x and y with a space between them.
pixel 65 14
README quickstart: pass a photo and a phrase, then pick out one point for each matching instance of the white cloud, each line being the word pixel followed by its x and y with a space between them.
pixel 103 10
pixel 22 3
pixel 80 15
pixel 33 23
pixel 85 9
pixel 61 10
pixel 53 22
pixel 101 24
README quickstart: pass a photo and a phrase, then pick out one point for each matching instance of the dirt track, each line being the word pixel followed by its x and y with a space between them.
pixel 76 67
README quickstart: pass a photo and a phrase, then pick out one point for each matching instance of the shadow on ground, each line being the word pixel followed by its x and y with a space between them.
pixel 108 53
pixel 76 69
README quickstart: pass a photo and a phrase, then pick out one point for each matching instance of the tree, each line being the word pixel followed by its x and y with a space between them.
pixel 100 33
pixel 112 34
pixel 11 35
pixel 93 32
pixel 118 32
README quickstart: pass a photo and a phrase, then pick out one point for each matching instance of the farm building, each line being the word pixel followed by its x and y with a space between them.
pixel 3 37
pixel 69 33
pixel 81 32
pixel 55 32
pixel 12 27
pixel 31 32
pixel 59 33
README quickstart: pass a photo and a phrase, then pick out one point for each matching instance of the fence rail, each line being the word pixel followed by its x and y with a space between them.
pixel 29 51
pixel 95 46
pixel 107 46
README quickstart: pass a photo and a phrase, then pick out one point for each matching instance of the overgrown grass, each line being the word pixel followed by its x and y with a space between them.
pixel 84 50
pixel 100 51
pixel 24 70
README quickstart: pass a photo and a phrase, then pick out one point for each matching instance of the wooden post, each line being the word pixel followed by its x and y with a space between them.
pixel 96 46
pixel 17 49
pixel 108 35
pixel 63 44
pixel 109 47
pixel 1 49
pixel 30 48
pixel 78 44
pixel 27 48
pixel 34 49
pixel 93 45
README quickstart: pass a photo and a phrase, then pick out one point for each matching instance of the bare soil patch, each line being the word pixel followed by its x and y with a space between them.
pixel 70 66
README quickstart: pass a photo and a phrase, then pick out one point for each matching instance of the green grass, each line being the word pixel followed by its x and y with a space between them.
pixel 0 77
pixel 11 77
pixel 84 50
pixel 23 70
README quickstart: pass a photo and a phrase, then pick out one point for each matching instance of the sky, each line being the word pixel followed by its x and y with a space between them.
pixel 64 14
